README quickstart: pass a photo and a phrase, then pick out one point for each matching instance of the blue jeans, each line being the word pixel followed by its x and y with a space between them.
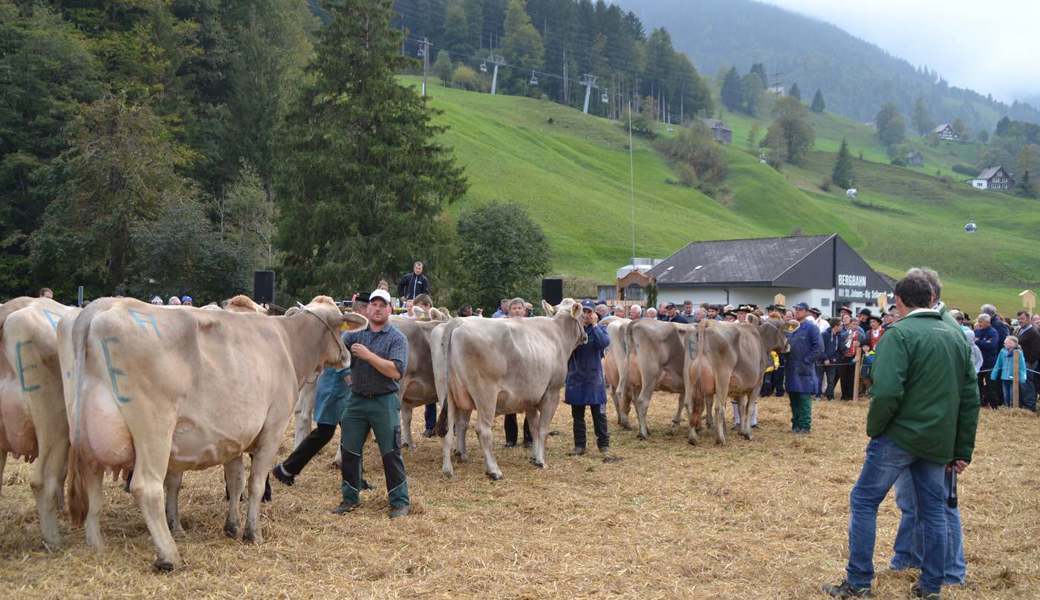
pixel 907 548
pixel 884 463
pixel 430 414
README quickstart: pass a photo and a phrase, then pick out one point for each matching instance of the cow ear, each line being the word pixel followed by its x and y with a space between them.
pixel 753 319
pixel 576 310
pixel 420 314
pixel 548 308
pixel 352 321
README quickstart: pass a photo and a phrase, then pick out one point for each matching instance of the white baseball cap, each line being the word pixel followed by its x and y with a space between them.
pixel 385 295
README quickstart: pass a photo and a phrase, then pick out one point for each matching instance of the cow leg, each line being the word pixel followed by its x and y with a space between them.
pixel 263 461
pixel 172 485
pixel 3 463
pixel 448 441
pixel 678 411
pixel 93 478
pixel 642 405
pixel 234 481
pixel 546 410
pixel 485 419
pixel 150 470
pixel 304 413
pixel 406 426
pixel 461 427
pixel 721 395
pixel 47 481
pixel 532 418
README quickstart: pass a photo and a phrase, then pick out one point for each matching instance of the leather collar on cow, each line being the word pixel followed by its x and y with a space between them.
pixel 323 322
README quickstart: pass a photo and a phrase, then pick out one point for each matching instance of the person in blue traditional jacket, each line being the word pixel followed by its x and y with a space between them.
pixel 585 385
pixel 806 347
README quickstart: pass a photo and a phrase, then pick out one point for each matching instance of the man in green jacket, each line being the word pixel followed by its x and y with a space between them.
pixel 922 417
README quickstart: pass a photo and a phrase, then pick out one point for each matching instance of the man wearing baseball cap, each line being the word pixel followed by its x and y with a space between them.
pixel 806 347
pixel 584 385
pixel 380 355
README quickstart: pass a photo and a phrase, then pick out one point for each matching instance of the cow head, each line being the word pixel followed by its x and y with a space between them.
pixel 569 315
pixel 324 308
pixel 773 335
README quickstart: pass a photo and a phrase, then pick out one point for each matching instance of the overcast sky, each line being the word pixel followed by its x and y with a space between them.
pixel 991 46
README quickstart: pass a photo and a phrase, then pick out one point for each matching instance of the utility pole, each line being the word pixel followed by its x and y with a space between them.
pixel 566 94
pixel 589 81
pixel 425 51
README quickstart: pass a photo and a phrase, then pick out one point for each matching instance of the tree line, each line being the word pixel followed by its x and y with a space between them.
pixel 174 146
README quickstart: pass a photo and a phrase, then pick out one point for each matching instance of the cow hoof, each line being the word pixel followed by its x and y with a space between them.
pixel 494 476
pixel 643 436
pixel 448 474
pixel 177 532
pixel 252 537
pixel 537 463
pixel 163 566
pixel 691 441
pixel 747 436
pixel 231 530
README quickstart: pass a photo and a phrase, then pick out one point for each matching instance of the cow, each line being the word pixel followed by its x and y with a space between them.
pixel 657 366
pixel 615 359
pixel 724 360
pixel 417 385
pixel 33 423
pixel 163 391
pixel 503 366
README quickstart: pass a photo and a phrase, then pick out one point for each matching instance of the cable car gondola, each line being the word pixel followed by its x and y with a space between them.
pixel 483 66
pixel 534 78
pixel 604 98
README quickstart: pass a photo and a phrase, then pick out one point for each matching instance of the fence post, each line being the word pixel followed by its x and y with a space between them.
pixel 859 365
pixel 1015 392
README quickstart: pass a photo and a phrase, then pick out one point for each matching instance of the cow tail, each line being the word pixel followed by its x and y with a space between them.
pixel 77 494
pixel 442 374
pixel 705 378
pixel 627 345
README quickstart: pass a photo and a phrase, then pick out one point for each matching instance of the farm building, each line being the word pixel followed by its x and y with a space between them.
pixel 993 178
pixel 719 130
pixel 821 270
pixel 946 132
pixel 914 158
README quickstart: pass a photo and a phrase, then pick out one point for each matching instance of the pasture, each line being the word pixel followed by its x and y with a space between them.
pixel 760 519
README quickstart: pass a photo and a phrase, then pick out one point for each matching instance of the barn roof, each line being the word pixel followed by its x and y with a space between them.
pixel 939 128
pixel 759 261
pixel 989 173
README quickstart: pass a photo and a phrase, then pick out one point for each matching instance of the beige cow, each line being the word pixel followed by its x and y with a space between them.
pixel 657 366
pixel 33 424
pixel 724 360
pixel 503 366
pixel 615 359
pixel 417 384
pixel 163 391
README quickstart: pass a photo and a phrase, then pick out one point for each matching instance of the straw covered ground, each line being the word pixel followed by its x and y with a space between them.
pixel 760 519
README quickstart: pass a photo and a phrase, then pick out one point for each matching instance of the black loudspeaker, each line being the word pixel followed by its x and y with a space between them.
pixel 263 287
pixel 552 291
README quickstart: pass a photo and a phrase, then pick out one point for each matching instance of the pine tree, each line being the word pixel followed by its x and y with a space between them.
pixel 456 30
pixel 733 91
pixel 363 178
pixel 443 67
pixel 794 92
pixel 521 46
pixel 891 128
pixel 754 93
pixel 842 173
pixel 920 118
pixel 818 105
pixel 760 70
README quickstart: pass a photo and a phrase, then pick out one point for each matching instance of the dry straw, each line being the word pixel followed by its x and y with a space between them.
pixel 760 519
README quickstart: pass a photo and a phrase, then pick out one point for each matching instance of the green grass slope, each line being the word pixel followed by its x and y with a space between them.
pixel 571 171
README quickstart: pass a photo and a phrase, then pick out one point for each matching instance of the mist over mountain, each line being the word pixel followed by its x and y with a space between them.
pixel 855 76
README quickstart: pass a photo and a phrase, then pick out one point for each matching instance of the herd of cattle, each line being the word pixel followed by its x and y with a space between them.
pixel 123 386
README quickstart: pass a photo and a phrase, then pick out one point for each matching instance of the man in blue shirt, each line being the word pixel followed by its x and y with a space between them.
pixel 806 347
pixel 380 355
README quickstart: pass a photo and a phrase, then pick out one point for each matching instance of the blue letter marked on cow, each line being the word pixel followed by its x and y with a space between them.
pixel 113 372
pixel 53 318
pixel 22 368
pixel 144 320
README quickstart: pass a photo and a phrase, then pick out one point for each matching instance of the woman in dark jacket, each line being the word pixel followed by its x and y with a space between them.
pixel 585 385
pixel 830 357
pixel 801 368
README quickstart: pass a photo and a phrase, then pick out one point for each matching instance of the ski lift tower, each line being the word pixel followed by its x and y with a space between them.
pixel 498 61
pixel 589 81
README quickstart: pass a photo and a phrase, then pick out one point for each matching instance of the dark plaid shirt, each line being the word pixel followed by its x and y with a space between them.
pixel 389 344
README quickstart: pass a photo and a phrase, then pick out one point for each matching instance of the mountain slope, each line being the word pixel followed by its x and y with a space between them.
pixel 572 174
pixel 856 77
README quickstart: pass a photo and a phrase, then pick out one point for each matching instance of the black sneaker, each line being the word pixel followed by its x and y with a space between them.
pixel 282 475
pixel 578 451
pixel 844 590
pixel 608 457
pixel 344 507
pixel 915 592
pixel 428 433
pixel 510 445
pixel 400 511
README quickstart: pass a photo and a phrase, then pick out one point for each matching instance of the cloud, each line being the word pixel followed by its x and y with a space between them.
pixel 990 47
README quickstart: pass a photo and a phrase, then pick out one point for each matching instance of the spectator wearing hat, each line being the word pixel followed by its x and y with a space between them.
pixel 806 347
pixel 157 301
pixel 874 333
pixel 414 283
pixel 851 338
pixel 988 341
pixel 830 357
pixel 673 315
pixel 773 382
pixel 186 301
pixel 585 386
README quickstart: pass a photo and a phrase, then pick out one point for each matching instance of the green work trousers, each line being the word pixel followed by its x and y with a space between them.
pixel 801 411
pixel 381 414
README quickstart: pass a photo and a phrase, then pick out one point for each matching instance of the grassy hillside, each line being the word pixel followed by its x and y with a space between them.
pixel 572 173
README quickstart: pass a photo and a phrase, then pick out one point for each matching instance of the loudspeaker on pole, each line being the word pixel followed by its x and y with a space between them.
pixel 263 287
pixel 552 291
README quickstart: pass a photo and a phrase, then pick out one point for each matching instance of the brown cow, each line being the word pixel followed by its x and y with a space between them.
pixel 503 366
pixel 161 391
pixel 724 360
pixel 658 365
pixel 33 423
